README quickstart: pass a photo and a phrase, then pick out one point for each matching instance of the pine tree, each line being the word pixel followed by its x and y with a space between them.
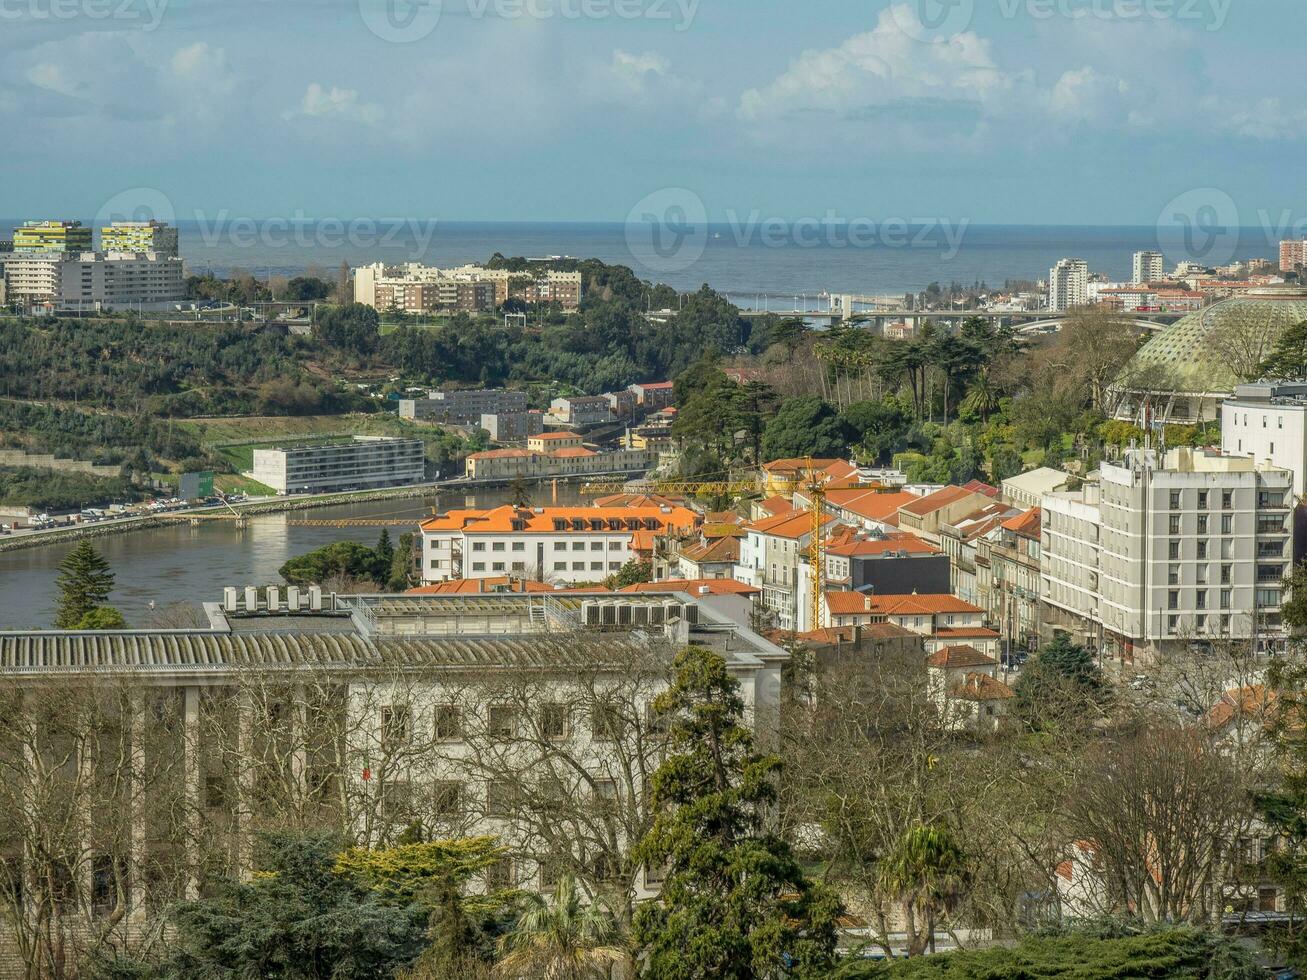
pixel 85 582
pixel 735 904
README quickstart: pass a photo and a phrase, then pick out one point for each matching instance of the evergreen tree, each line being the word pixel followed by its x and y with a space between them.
pixel 519 492
pixel 735 904
pixel 85 582
pixel 385 558
pixel 1058 685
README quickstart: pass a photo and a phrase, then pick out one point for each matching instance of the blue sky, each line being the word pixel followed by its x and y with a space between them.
pixel 1020 111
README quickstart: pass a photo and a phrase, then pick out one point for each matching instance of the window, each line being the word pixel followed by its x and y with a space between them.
pixel 497 566
pixel 1173 599
pixel 447 798
pixel 1175 500
pixel 1173 575
pixel 1202 599
pixel 578 546
pixel 605 794
pixel 554 720
pixel 448 722
pixel 596 566
pixel 560 545
pixel 1202 523
pixel 396 801
pixel 614 546
pixel 596 546
pixel 605 721
pixel 1227 523
pixel 1226 571
pixel 478 546
pixel 501 720
pixel 478 566
pixel 1174 527
pixel 519 546
pixel 501 798
pixel 560 566
pixel 1227 499
pixel 396 721
pixel 1226 595
pixel 1202 499
pixel 1173 550
pixel 1202 550
pixel 500 875
pixel 497 546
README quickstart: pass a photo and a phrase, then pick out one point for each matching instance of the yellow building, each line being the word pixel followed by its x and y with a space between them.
pixel 139 236
pixel 52 236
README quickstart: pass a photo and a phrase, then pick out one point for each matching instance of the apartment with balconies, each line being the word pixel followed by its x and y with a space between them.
pixel 1166 550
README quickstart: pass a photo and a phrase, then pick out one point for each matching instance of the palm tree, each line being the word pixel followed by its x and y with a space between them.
pixel 563 938
pixel 982 398
pixel 926 871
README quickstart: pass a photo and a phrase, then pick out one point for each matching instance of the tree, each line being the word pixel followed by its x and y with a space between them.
pixel 804 426
pixel 734 903
pixel 519 492
pixel 102 618
pixel 352 327
pixel 1060 687
pixel 567 938
pixel 632 573
pixel 296 918
pixel 85 582
pixel 926 870
pixel 878 428
pixel 1288 358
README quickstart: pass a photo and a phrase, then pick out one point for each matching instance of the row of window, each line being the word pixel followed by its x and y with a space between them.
pixel 554 720
pixel 558 545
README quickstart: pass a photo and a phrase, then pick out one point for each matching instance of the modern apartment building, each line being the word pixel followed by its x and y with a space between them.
pixel 463 407
pixel 774 555
pixel 1008 578
pixel 156 237
pixel 94 280
pixel 1068 284
pixel 35 237
pixel 582 410
pixel 512 426
pixel 563 545
pixel 1148 267
pixel 1293 256
pixel 361 463
pixel 421 288
pixel 1268 421
pixel 1164 550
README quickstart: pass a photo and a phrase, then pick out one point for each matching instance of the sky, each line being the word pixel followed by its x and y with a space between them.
pixel 988 111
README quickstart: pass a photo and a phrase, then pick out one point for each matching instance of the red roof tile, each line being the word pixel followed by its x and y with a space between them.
pixel 952 658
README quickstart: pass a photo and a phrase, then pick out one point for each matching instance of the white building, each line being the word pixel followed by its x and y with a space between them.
pixel 1161 551
pixel 1268 421
pixel 359 464
pixel 1148 267
pixel 1068 284
pixel 774 556
pixel 95 280
pixel 563 545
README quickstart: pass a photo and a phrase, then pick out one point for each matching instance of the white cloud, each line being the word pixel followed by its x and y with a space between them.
pixel 320 102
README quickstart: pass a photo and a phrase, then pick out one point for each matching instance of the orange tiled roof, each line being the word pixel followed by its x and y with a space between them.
pixel 720 549
pixel 540 520
pixel 951 658
pixel 848 603
pixel 555 436
pixel 776 506
pixel 1252 699
pixel 572 452
pixel 792 525
pixel 981 687
pixel 921 506
pixel 898 542
pixel 715 586
pixel 874 505
pixel 1027 525
pixel 977 486
pixel 921 605
pixel 965 633
pixel 640 500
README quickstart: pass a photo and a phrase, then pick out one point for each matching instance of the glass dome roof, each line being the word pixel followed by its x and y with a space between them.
pixel 1187 356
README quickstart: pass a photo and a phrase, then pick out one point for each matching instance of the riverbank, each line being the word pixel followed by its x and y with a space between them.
pixel 279 505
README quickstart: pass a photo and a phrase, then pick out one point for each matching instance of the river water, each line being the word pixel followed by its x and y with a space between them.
pixel 184 564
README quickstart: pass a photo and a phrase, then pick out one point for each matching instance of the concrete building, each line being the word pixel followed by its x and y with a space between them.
pixel 402 709
pixel 43 237
pixel 1164 550
pixel 582 410
pixel 964 686
pixel 1293 256
pixel 927 516
pixel 157 237
pixel 462 407
pixel 656 395
pixel 941 620
pixel 94 280
pixel 1008 579
pixel 773 556
pixel 1028 489
pixel 359 464
pixel 564 545
pixel 1148 267
pixel 510 464
pixel 894 564
pixel 470 288
pixel 1068 285
pixel 512 426
pixel 1268 421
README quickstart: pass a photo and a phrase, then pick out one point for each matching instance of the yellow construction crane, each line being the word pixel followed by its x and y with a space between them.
pixel 816 491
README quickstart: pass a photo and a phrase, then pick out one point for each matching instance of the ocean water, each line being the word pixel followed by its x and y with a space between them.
pixel 744 258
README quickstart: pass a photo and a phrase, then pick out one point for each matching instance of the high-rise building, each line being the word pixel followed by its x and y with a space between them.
pixel 1068 284
pixel 139 236
pixel 1148 267
pixel 34 237
pixel 1167 550
pixel 1293 256
pixel 93 280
